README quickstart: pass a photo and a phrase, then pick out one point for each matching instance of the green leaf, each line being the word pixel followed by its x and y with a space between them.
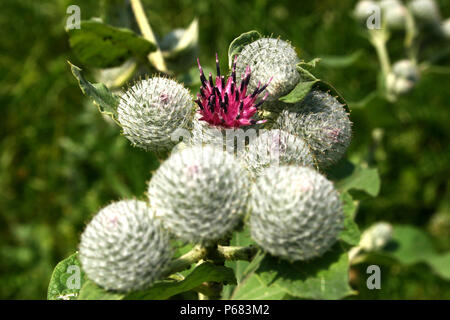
pixel 341 61
pixel 321 278
pixel 206 272
pixel 308 82
pixel 299 92
pixel 348 176
pixel 351 233
pixel 106 101
pixel 440 265
pixel 103 46
pixel 66 280
pixel 310 64
pixel 90 291
pixel 239 43
pixel 410 245
pixel 253 288
pixel 243 239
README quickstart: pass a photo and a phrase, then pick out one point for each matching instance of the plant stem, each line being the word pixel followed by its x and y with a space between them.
pixel 410 37
pixel 379 38
pixel 186 260
pixel 155 57
pixel 233 253
pixel 219 253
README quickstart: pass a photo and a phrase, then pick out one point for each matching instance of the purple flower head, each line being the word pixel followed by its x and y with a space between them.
pixel 226 104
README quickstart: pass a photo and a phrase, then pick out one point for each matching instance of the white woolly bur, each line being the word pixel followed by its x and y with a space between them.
pixel 124 247
pixel 322 121
pixel 200 193
pixel 296 213
pixel 277 147
pixel 152 109
pixel 270 58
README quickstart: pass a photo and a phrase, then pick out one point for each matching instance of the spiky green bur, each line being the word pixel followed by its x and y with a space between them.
pixel 152 109
pixel 276 147
pixel 273 60
pixel 403 77
pixel 296 214
pixel 322 122
pixel 200 193
pixel 124 248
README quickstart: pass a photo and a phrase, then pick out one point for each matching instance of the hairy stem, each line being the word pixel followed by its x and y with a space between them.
pixel 379 38
pixel 155 57
pixel 233 253
pixel 410 37
pixel 219 253
pixel 186 260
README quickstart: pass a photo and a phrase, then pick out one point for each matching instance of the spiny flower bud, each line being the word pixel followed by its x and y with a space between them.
pixel 124 247
pixel 269 58
pixel 322 121
pixel 200 193
pixel 376 237
pixel 403 77
pixel 277 147
pixel 296 213
pixel 426 11
pixel 152 109
pixel 394 14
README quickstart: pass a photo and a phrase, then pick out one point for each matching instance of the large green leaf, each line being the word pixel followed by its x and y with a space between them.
pixel 253 288
pixel 321 278
pixel 299 92
pixel 351 233
pixel 90 291
pixel 348 176
pixel 239 43
pixel 206 272
pixel 307 82
pixel 66 280
pixel 343 61
pixel 410 245
pixel 103 46
pixel 241 238
pixel 106 101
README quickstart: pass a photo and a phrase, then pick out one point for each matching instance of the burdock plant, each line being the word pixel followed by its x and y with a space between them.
pixel 425 41
pixel 207 210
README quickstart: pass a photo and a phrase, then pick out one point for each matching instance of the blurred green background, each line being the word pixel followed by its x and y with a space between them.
pixel 60 161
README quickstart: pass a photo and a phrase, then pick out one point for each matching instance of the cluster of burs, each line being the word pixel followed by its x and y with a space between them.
pixel 418 19
pixel 202 193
